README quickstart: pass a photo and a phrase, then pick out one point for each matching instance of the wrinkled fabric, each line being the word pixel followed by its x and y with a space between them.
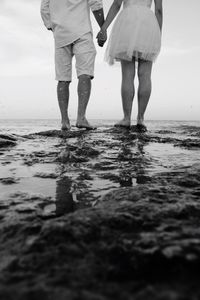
pixel 68 19
pixel 135 33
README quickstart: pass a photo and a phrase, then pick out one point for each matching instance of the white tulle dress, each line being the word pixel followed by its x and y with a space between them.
pixel 135 33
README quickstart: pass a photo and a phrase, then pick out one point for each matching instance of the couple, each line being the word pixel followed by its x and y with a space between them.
pixel 135 38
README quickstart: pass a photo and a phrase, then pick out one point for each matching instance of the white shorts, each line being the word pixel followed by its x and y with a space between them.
pixel 84 51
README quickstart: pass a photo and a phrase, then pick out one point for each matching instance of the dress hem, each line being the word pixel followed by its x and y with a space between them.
pixel 136 54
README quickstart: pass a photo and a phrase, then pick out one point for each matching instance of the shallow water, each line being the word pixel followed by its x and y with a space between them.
pixel 75 172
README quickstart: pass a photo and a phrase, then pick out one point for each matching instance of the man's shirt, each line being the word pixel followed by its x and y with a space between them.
pixel 69 19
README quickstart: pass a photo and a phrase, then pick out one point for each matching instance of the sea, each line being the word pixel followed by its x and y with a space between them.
pixel 26 126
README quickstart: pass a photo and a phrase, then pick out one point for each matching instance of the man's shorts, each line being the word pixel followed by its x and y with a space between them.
pixel 84 51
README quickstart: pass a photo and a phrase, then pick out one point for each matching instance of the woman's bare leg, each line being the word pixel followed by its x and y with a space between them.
pixel 144 89
pixel 127 91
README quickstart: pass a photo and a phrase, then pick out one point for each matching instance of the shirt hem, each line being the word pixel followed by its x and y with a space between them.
pixel 66 43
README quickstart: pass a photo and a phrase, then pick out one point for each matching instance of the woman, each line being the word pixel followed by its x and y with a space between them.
pixel 135 37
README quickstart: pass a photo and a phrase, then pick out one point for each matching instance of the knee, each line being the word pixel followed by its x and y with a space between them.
pixel 141 74
pixel 144 76
pixel 84 77
pixel 144 72
pixel 63 86
pixel 63 83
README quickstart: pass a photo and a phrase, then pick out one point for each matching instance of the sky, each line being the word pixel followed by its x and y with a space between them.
pixel 28 87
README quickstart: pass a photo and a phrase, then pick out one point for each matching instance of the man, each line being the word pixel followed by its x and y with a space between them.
pixel 69 20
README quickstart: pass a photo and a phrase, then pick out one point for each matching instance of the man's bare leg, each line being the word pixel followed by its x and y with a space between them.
pixel 63 100
pixel 84 89
pixel 144 89
pixel 127 91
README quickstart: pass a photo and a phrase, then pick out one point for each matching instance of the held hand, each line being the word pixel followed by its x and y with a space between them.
pixel 101 37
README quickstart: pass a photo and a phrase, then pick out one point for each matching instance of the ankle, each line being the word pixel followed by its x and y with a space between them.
pixel 81 117
pixel 140 120
pixel 127 118
pixel 65 121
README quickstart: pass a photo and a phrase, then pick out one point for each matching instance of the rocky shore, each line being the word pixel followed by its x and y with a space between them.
pixel 107 214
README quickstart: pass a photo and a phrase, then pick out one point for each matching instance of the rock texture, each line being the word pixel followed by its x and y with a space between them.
pixel 138 239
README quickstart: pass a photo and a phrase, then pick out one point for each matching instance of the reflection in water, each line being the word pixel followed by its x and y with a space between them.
pixel 93 172
pixel 133 163
pixel 64 197
pixel 125 179
pixel 142 176
pixel 82 166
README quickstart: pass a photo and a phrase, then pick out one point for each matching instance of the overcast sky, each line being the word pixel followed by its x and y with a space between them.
pixel 28 88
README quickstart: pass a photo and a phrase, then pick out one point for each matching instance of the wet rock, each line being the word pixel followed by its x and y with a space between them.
pixel 165 132
pixel 6 261
pixel 84 175
pixel 77 154
pixel 12 137
pixel 25 209
pixel 8 137
pixel 9 140
pixel 196 134
pixel 66 156
pixel 164 140
pixel 140 241
pixel 189 143
pixel 39 157
pixel 110 176
pixel 6 142
pixel 134 243
pixel 4 204
pixel 87 151
pixel 172 251
pixel 26 201
pixel 46 175
pixel 58 134
pixel 191 130
pixel 9 180
pixel 188 178
pixel 39 153
pixel 104 166
pixel 44 154
pixel 6 163
pixel 47 211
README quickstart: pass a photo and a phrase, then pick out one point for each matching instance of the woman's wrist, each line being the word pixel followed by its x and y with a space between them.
pixel 103 29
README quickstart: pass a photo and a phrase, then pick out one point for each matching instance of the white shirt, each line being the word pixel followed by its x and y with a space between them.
pixel 69 19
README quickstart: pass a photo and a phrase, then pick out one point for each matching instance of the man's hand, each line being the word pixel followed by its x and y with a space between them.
pixel 101 37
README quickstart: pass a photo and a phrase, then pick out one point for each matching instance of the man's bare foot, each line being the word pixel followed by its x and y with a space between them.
pixel 123 123
pixel 65 125
pixel 83 123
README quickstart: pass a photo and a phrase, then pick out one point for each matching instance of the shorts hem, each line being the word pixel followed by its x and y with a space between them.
pixel 63 79
pixel 87 74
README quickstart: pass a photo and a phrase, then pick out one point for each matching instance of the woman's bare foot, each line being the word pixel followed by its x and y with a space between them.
pixel 83 123
pixel 65 125
pixel 140 120
pixel 123 123
pixel 140 125
pixel 141 128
